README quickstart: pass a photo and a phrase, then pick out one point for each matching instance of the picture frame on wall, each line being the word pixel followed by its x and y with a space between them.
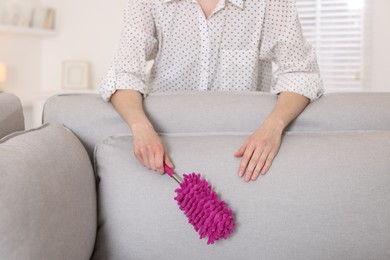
pixel 75 75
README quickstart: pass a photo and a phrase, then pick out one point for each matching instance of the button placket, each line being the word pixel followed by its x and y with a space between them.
pixel 204 51
pixel 206 44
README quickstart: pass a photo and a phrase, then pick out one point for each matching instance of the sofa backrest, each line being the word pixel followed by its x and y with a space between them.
pixel 93 119
pixel 11 114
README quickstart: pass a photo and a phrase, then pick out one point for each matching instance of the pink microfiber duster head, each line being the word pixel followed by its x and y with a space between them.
pixel 205 211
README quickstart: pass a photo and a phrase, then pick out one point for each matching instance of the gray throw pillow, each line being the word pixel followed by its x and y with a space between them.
pixel 47 196
pixel 326 196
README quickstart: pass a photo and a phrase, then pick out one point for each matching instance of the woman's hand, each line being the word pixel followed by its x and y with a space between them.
pixel 258 151
pixel 149 149
pixel 261 147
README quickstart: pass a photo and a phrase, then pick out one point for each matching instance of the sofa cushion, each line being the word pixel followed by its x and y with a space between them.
pixel 228 111
pixel 11 114
pixel 47 196
pixel 326 196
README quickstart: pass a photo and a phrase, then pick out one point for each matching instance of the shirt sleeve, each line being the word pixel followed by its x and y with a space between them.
pixel 283 43
pixel 137 45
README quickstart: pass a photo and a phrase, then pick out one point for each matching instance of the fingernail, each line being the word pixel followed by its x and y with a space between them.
pixel 240 173
pixel 247 178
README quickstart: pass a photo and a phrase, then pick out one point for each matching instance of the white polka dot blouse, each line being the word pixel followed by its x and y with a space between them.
pixel 232 50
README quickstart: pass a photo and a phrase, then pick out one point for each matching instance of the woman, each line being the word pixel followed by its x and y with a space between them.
pixel 213 45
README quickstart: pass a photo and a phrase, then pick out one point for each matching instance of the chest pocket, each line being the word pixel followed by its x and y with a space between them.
pixel 239 70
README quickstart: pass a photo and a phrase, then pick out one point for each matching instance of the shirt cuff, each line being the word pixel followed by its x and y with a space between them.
pixel 305 84
pixel 114 82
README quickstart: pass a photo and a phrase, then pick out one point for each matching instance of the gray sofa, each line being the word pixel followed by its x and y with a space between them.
pixel 11 114
pixel 326 196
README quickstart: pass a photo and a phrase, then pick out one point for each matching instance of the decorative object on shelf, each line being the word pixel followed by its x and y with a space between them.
pixel 26 19
pixel 15 15
pixel 75 75
pixel 43 18
pixel 3 75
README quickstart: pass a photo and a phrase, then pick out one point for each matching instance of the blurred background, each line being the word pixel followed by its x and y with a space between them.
pixel 55 46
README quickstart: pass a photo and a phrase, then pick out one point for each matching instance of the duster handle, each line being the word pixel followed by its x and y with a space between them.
pixel 172 174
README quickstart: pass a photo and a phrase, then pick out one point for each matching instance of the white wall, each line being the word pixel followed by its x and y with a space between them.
pixel 23 58
pixel 88 31
pixel 380 45
pixel 22 54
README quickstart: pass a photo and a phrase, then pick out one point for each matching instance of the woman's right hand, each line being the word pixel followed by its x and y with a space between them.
pixel 149 148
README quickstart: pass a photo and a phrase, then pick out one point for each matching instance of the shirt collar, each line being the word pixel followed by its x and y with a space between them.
pixel 238 3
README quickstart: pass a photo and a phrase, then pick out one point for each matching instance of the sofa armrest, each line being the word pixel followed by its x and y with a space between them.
pixel 11 114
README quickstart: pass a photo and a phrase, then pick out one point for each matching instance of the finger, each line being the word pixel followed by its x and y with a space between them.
pixel 152 153
pixel 253 163
pixel 159 161
pixel 262 160
pixel 245 159
pixel 145 158
pixel 168 161
pixel 256 173
pixel 241 151
pixel 268 163
pixel 138 155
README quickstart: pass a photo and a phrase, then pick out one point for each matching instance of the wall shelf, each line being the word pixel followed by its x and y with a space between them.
pixel 28 31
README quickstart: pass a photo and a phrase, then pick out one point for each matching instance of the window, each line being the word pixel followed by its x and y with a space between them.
pixel 336 30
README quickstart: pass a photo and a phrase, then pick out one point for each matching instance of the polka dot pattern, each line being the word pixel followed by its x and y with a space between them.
pixel 232 50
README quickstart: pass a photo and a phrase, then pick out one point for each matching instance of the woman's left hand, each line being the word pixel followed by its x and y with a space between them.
pixel 258 151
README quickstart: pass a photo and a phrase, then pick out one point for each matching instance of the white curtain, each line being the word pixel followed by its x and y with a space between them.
pixel 337 30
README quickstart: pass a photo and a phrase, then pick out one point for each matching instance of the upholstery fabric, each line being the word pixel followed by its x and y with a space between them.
pixel 47 196
pixel 11 114
pixel 326 196
pixel 92 119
